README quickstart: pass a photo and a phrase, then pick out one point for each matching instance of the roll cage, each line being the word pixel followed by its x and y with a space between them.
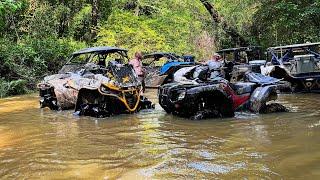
pixel 241 54
pixel 282 54
pixel 98 55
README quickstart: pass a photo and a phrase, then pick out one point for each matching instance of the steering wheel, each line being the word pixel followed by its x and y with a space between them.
pixel 228 68
pixel 94 68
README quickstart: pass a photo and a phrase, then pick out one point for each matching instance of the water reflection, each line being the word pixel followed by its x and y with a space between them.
pixel 38 143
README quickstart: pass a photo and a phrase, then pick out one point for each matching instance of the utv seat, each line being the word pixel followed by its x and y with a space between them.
pixel 243 87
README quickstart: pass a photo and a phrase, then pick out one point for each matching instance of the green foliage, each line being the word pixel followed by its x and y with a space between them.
pixel 41 24
pixel 7 9
pixel 15 87
pixel 239 14
pixel 31 59
pixel 287 22
pixel 156 26
pixel 81 26
pixel 9 6
pixel 132 32
pixel 62 15
pixel 35 40
pixel 105 9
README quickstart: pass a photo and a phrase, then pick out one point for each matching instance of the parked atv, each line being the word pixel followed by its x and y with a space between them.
pixel 192 94
pixel 159 65
pixel 96 83
pixel 298 65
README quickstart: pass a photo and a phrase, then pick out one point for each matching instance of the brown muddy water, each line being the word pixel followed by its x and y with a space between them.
pixel 43 144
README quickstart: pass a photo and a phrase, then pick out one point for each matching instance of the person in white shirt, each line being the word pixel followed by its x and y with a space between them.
pixel 215 64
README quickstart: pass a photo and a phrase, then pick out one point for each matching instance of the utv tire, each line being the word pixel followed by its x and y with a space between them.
pixel 273 108
pixel 206 114
pixel 221 109
pixel 49 102
pixel 168 110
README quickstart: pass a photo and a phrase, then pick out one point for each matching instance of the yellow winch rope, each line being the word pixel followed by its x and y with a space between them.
pixel 122 99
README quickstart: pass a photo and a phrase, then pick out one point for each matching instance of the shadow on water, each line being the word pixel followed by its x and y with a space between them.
pixel 38 143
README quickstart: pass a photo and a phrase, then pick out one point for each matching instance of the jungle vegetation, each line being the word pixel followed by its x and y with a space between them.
pixel 36 36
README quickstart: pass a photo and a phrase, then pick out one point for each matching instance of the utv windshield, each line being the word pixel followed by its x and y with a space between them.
pixel 101 58
pixel 159 59
pixel 118 56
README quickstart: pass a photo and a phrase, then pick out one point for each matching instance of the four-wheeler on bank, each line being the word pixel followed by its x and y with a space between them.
pixel 160 65
pixel 96 83
pixel 298 64
pixel 193 94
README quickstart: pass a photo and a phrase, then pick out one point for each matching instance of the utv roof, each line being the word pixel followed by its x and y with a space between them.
pixel 238 49
pixel 161 54
pixel 105 49
pixel 294 46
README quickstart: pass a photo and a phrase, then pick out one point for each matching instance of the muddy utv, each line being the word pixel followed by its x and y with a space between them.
pixel 160 65
pixel 95 82
pixel 298 65
pixel 193 94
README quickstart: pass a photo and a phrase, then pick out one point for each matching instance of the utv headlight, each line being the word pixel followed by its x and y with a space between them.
pixel 43 86
pixel 103 89
pixel 181 96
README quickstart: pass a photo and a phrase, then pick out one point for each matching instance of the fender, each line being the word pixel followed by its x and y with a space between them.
pixel 238 100
pixel 166 67
pixel 261 95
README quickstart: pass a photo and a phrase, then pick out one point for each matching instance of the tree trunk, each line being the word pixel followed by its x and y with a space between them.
pixel 137 9
pixel 95 17
pixel 236 37
pixel 94 13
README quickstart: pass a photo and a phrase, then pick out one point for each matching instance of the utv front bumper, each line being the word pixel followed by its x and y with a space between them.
pixel 177 100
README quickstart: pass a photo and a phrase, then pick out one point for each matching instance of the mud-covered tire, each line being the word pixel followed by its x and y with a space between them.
pixel 227 111
pixel 221 109
pixel 49 102
pixel 164 105
pixel 145 103
pixel 206 114
pixel 169 110
pixel 225 108
pixel 89 104
pixel 273 108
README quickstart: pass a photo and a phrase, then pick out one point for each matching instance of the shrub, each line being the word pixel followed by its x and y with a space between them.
pixel 26 62
pixel 16 87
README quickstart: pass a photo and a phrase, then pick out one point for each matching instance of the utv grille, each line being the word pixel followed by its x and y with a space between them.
pixel 164 91
pixel 131 99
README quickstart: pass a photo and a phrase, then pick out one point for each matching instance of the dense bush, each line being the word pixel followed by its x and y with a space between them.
pixel 26 62
pixel 287 22
pixel 169 25
pixel 14 87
